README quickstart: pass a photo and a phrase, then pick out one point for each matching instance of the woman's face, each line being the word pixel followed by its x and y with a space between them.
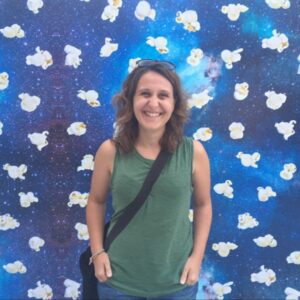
pixel 153 102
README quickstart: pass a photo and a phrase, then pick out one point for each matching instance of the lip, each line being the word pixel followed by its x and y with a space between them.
pixel 152 114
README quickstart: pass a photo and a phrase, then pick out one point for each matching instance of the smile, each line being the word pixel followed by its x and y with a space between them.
pixel 152 114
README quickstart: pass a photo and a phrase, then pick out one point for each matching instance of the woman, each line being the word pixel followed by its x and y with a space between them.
pixel 157 255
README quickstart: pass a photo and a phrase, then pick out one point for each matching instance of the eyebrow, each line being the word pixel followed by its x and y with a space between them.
pixel 149 90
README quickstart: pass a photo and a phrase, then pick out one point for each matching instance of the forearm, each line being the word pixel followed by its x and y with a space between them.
pixel 95 216
pixel 202 223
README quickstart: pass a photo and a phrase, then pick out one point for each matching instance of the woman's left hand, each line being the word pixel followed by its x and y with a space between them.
pixel 191 271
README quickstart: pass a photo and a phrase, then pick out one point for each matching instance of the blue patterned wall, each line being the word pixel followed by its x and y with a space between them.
pixel 60 64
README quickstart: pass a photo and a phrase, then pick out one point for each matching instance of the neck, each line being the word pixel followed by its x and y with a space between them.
pixel 149 139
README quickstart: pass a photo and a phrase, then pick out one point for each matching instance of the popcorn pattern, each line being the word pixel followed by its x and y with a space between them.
pixel 27 199
pixel 42 58
pixel 15 172
pixel 29 103
pixel 222 289
pixel 13 31
pixel 39 139
pixel 35 243
pixel 224 249
pixel 8 222
pixel 78 198
pixel 233 11
pixel 42 291
pixel 72 289
pixel 4 80
pixel 16 267
pixel 233 85
pixel 87 163
pixel 91 97
pixel 266 276
pixel 247 221
pixel 265 241
pixel 143 10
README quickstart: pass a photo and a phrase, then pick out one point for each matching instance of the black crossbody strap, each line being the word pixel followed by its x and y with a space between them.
pixel 139 200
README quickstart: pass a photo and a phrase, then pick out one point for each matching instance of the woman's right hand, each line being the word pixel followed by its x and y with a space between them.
pixel 102 267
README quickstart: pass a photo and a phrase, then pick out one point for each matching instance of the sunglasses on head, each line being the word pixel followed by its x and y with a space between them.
pixel 150 62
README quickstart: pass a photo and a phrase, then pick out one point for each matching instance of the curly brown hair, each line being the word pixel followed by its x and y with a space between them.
pixel 126 122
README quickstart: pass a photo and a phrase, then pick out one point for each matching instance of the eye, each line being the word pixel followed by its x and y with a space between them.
pixel 163 95
pixel 145 93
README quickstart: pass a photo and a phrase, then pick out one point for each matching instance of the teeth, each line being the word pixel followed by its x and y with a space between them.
pixel 152 114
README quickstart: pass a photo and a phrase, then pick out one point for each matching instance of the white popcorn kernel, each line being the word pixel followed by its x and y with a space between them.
pixel 224 189
pixel 286 128
pixel 231 57
pixel 222 289
pixel 108 48
pixel 27 199
pixel 72 57
pixel 288 171
pixel 203 134
pixel 247 221
pixel 35 243
pixel 233 11
pixel 8 222
pixel 42 291
pixel 143 10
pixel 41 58
pixel 199 100
pixel 189 19
pixel 278 41
pixel 35 5
pixel 16 267
pixel 223 248
pixel 294 258
pixel 249 160
pixel 82 231
pixel 266 276
pixel 4 80
pixel 29 103
pixel 76 198
pixel 15 172
pixel 159 43
pixel 77 128
pixel 13 31
pixel 236 130
pixel 39 139
pixel 266 241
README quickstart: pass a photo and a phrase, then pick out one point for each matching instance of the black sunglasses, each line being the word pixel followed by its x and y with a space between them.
pixel 150 62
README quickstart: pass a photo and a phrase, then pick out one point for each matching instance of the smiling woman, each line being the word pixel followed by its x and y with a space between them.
pixel 157 254
pixel 127 123
pixel 153 104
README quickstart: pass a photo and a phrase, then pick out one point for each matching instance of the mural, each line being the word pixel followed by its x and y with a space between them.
pixel 60 64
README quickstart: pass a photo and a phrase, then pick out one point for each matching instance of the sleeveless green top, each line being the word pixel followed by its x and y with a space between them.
pixel 148 256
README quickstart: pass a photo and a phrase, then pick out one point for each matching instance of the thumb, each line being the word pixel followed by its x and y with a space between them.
pixel 184 274
pixel 108 269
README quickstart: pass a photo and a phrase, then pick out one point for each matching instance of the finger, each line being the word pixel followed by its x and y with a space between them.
pixel 108 269
pixel 101 275
pixel 184 275
pixel 191 279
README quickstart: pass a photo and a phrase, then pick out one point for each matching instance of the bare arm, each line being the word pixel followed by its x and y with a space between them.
pixel 202 214
pixel 96 206
pixel 202 200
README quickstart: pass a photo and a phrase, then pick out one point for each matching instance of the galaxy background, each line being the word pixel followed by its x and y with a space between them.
pixel 52 172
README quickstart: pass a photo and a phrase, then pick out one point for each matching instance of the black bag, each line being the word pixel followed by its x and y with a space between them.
pixel 89 281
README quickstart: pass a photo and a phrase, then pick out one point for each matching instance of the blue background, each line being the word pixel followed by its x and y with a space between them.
pixel 52 173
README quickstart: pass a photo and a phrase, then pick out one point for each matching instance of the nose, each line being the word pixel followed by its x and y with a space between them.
pixel 153 101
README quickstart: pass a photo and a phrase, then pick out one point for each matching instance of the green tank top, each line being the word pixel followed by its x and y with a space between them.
pixel 148 256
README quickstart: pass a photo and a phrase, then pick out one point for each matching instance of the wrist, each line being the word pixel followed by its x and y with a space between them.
pixel 197 256
pixel 96 254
